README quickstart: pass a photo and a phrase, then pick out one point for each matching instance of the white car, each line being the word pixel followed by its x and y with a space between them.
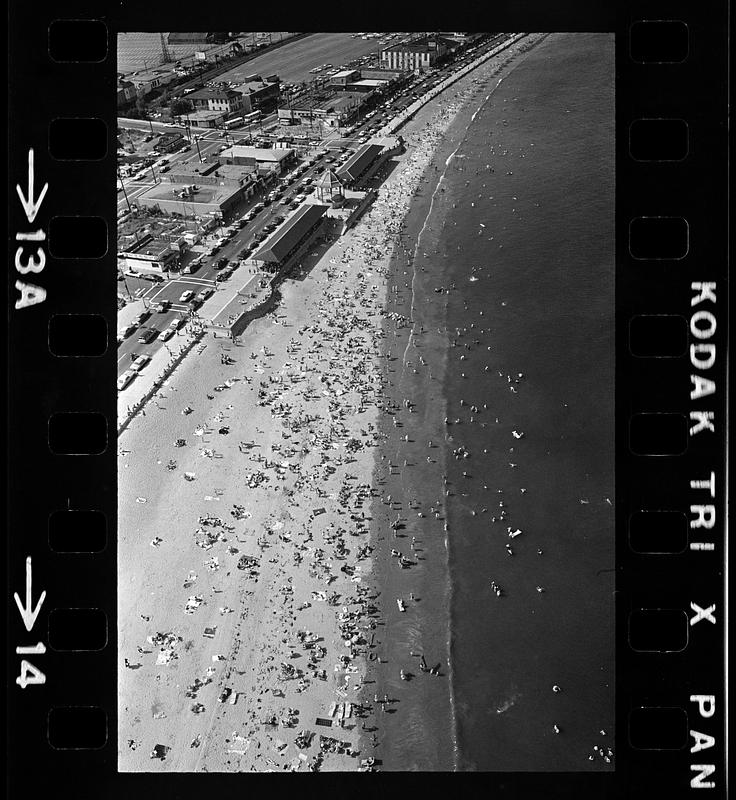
pixel 186 296
pixel 126 378
pixel 140 362
pixel 166 334
pixel 205 293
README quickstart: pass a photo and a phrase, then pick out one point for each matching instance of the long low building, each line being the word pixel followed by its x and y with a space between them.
pixel 291 238
pixel 367 159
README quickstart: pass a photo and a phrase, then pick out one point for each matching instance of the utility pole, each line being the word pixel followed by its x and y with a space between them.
pixel 125 194
pixel 199 152
pixel 125 283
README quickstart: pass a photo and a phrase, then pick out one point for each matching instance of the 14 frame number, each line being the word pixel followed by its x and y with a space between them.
pixel 30 675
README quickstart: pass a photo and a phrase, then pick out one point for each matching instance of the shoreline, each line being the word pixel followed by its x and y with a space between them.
pixel 403 747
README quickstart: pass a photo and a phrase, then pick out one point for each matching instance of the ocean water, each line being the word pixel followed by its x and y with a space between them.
pixel 528 212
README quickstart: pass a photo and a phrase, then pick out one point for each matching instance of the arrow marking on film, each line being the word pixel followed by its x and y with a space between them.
pixel 27 612
pixel 31 206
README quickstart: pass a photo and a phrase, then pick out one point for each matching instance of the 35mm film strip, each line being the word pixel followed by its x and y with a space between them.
pixel 671 386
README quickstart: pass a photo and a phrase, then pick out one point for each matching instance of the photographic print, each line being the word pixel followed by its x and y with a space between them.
pixel 365 401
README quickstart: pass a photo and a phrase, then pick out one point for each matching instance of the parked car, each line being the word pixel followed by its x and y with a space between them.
pixel 186 296
pixel 127 330
pixel 153 278
pixel 140 362
pixel 125 379
pixel 161 306
pixel 166 334
pixel 191 268
pixel 220 263
pixel 147 335
pixel 204 294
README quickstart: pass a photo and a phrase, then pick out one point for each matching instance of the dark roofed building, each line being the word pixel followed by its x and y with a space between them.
pixel 291 237
pixel 360 163
pixel 170 141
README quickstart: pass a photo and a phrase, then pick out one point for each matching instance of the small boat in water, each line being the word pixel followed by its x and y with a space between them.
pixel 401 604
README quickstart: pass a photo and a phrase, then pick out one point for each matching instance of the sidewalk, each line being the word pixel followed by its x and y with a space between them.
pixel 155 374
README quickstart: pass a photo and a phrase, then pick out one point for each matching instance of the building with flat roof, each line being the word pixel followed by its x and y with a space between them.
pixel 234 305
pixel 366 85
pixel 276 159
pixel 193 199
pixel 206 119
pixel 344 76
pixel 148 254
pixel 288 241
pixel 211 174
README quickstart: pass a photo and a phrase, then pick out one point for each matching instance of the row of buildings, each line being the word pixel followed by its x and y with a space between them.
pixel 402 59
pixel 209 192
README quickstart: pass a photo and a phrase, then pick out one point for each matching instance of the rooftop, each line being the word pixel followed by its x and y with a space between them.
pixel 206 193
pixel 149 245
pixel 325 102
pixel 362 159
pixel 423 45
pixel 285 238
pixel 371 82
pixel 212 91
pixel 276 154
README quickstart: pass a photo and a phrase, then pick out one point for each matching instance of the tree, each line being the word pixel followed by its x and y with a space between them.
pixel 180 107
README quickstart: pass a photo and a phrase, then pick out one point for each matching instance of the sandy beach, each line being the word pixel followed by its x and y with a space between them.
pixel 262 564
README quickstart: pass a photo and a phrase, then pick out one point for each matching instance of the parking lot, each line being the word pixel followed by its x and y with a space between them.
pixel 172 291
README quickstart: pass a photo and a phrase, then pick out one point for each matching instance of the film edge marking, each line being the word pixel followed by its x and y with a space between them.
pixel 30 293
